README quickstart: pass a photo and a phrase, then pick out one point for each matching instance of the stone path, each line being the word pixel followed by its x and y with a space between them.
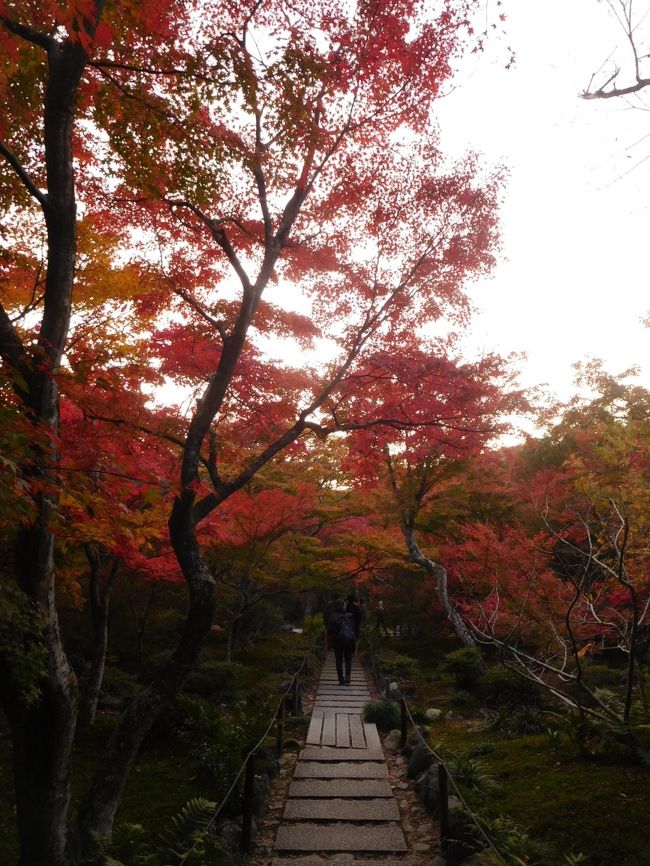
pixel 340 800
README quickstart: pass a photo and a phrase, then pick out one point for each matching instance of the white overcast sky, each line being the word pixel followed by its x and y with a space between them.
pixel 573 279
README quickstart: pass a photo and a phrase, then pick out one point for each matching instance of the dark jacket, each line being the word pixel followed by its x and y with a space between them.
pixel 334 627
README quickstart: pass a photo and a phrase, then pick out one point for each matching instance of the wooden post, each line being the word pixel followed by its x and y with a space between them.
pixel 247 806
pixel 294 695
pixel 281 727
pixel 443 790
pixel 404 722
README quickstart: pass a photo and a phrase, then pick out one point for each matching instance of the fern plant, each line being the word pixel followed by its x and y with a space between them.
pixel 187 841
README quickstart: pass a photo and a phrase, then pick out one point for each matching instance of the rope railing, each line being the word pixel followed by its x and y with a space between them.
pixel 445 775
pixel 247 768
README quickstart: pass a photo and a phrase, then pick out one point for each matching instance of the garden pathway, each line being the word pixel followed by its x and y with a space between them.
pixel 340 799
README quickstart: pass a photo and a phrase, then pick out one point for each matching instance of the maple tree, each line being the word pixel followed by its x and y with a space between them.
pixel 215 157
pixel 463 404
pixel 560 575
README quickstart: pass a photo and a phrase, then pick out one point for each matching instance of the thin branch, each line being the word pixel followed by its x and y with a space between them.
pixel 148 70
pixel 27 33
pixel 24 175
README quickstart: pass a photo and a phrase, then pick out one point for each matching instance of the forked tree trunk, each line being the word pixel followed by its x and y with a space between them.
pixel 99 596
pixel 141 620
pixel 439 574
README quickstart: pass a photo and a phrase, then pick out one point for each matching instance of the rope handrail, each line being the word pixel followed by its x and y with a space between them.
pixel 375 666
pixel 450 775
pixel 254 749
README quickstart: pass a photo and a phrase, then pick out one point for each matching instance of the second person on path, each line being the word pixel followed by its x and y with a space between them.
pixel 342 638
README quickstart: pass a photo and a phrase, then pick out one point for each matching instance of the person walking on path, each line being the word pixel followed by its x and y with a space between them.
pixel 353 607
pixel 327 613
pixel 380 618
pixel 341 635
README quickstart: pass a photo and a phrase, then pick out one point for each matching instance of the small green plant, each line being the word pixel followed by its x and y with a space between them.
pixel 515 845
pixel 574 859
pixel 188 840
pixel 385 714
pixel 471 773
pixel 554 736
pixel 466 666
pixel 610 699
pixel 481 749
pixel 523 720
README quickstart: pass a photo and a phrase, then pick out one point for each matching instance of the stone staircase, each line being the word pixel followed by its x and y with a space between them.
pixel 340 800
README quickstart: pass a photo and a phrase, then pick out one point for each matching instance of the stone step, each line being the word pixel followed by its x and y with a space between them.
pixel 329 753
pixel 345 730
pixel 352 861
pixel 342 770
pixel 348 698
pixel 329 710
pixel 331 676
pixel 337 788
pixel 340 837
pixel 342 810
pixel 343 691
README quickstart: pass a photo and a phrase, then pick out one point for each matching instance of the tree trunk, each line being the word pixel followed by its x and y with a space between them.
pixel 99 601
pixel 43 731
pixel 97 812
pixel 439 574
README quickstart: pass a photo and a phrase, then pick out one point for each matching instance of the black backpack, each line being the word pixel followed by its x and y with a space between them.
pixel 347 634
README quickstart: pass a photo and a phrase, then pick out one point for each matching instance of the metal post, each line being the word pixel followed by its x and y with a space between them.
pixel 247 806
pixel 404 722
pixel 281 727
pixel 443 790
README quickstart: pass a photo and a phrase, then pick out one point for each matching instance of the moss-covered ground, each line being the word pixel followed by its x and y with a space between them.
pixel 599 807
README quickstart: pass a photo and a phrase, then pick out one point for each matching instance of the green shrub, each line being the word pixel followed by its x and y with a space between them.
pixel 216 679
pixel 118 687
pixel 464 701
pixel 385 714
pixel 222 741
pixel 503 687
pixel 397 666
pixel 465 665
